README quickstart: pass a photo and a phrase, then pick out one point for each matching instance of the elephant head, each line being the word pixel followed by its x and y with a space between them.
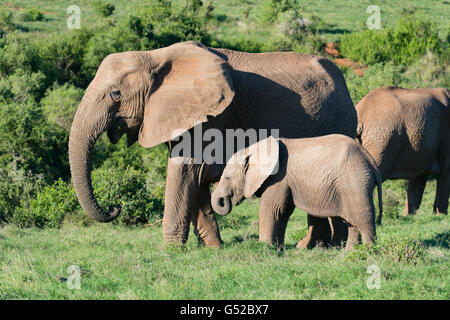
pixel 148 95
pixel 244 174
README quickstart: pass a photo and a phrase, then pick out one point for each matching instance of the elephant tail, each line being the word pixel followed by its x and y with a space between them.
pixel 380 197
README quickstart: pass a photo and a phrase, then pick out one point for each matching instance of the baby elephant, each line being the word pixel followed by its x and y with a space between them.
pixel 327 176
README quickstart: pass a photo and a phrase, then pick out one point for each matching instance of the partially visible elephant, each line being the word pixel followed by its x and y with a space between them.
pixel 327 176
pixel 152 96
pixel 407 133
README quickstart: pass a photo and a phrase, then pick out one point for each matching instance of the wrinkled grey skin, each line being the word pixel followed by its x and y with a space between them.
pixel 407 133
pixel 328 176
pixel 148 95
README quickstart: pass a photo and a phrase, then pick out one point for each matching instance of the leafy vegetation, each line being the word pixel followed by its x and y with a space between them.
pixel 104 9
pixel 32 14
pixel 403 44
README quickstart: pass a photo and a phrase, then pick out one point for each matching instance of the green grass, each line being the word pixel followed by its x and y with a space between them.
pixel 131 263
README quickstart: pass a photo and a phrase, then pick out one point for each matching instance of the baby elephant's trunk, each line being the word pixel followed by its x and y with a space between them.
pixel 221 204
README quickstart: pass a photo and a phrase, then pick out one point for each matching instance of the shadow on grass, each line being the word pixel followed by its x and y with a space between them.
pixel 439 240
pixel 243 238
pixel 332 30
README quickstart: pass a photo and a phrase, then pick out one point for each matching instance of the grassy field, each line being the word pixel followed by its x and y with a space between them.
pixel 118 262
pixel 130 263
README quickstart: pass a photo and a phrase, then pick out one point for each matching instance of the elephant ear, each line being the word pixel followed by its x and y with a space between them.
pixel 261 162
pixel 190 84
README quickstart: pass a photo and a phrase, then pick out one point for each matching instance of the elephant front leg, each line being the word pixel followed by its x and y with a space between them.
pixel 178 204
pixel 274 211
pixel 414 195
pixel 205 224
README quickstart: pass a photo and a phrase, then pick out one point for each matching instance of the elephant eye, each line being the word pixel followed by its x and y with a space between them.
pixel 115 95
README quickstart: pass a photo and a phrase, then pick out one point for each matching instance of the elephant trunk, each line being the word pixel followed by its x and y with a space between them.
pixel 84 133
pixel 221 204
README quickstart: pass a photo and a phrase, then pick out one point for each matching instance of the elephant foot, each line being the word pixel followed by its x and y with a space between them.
pixel 207 231
pixel 407 212
pixel 440 212
pixel 210 243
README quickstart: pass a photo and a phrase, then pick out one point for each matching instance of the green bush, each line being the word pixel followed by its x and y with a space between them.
pixel 17 187
pixel 270 10
pixel 104 9
pixel 428 72
pixel 60 104
pixel 375 76
pixel 32 14
pixel 62 57
pixel 49 208
pixel 6 22
pixel 403 44
pixel 32 142
pixel 18 52
pixel 22 86
pixel 128 189
pixel 151 162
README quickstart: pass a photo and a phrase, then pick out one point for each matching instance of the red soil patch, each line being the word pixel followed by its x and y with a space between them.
pixel 332 49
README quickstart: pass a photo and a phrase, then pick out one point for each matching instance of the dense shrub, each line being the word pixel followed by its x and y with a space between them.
pixel 375 76
pixel 151 162
pixel 6 22
pixel 403 44
pixel 28 139
pixel 22 86
pixel 17 52
pixel 126 188
pixel 17 186
pixel 60 104
pixel 62 57
pixel 49 208
pixel 270 10
pixel 32 14
pixel 428 72
pixel 292 29
pixel 104 9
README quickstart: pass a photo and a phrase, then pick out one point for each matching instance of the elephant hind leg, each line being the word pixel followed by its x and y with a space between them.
pixel 442 194
pixel 284 218
pixel 443 181
pixel 414 194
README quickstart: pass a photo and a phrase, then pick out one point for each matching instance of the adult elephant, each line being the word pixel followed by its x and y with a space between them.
pixel 151 95
pixel 407 133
